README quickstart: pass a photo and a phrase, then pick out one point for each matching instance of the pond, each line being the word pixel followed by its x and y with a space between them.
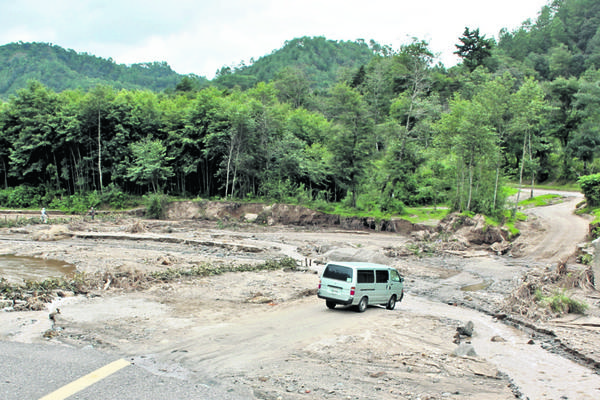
pixel 17 269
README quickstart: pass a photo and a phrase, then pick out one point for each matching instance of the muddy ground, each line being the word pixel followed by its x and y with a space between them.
pixel 265 335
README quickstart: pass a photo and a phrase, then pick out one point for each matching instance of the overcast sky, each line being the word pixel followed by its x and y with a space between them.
pixel 200 36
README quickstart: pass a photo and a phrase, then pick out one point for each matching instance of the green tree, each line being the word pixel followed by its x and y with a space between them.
pixel 174 111
pixel 351 141
pixel 5 145
pixel 199 147
pixel 475 49
pixel 564 119
pixel 494 96
pixel 150 164
pixel 530 110
pixel 30 124
pixel 467 133
pixel 94 114
pixel 293 87
pixel 406 132
pixel 587 135
pixel 230 145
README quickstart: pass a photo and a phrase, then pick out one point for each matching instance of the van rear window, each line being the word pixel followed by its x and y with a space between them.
pixel 338 273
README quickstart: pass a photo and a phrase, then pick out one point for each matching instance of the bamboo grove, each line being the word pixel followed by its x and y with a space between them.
pixel 400 130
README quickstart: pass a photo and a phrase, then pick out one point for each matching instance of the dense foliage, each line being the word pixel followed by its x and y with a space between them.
pixel 391 130
pixel 590 185
pixel 61 69
pixel 318 60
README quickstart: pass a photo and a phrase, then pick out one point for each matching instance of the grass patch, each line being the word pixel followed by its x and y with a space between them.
pixel 508 222
pixel 489 221
pixel 595 212
pixel 561 303
pixel 540 201
pixel 509 191
pixel 420 215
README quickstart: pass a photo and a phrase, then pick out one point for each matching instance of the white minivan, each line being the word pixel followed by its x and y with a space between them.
pixel 360 284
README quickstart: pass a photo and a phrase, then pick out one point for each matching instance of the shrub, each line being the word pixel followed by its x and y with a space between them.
pixel 561 303
pixel 21 197
pixel 155 205
pixel 114 197
pixel 590 184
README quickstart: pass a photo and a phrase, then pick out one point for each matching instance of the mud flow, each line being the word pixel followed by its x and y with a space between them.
pixel 265 334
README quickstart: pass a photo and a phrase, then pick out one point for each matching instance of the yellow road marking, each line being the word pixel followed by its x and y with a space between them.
pixel 85 381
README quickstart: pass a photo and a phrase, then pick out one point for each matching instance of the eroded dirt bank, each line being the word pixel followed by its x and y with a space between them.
pixel 265 335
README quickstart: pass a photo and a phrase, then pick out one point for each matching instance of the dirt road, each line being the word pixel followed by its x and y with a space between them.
pixel 553 233
pixel 263 336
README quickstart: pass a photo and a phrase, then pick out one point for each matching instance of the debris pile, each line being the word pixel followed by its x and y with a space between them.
pixel 543 283
pixel 35 295
pixel 136 227
pixel 55 232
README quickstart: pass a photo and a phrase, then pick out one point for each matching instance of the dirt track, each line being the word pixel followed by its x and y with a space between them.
pixel 258 334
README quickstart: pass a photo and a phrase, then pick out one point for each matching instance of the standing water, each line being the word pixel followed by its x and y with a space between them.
pixel 16 269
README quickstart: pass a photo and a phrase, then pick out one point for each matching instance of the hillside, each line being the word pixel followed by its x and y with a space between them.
pixel 564 41
pixel 61 69
pixel 319 59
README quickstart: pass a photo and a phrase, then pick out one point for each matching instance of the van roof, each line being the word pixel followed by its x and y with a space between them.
pixel 358 264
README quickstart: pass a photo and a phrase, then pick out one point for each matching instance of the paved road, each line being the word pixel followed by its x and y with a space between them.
pixel 39 371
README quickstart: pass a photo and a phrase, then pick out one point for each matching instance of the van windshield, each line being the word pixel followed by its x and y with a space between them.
pixel 338 273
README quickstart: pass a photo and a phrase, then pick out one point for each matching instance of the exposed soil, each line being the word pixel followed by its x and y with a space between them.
pixel 265 335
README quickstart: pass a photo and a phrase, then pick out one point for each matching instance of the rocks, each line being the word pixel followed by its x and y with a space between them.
pixel 35 304
pixel 20 231
pixel 53 314
pixel 4 303
pixel 501 248
pixel 259 298
pixel 463 331
pixel 475 231
pixel 467 330
pixel 465 349
pixel 250 217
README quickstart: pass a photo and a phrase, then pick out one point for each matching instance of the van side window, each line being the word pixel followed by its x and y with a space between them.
pixel 338 273
pixel 394 276
pixel 381 276
pixel 365 276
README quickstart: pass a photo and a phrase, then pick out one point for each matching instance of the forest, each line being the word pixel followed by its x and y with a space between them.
pixel 62 69
pixel 363 125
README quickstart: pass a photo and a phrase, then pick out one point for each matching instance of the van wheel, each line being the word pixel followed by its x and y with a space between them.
pixel 330 304
pixel 362 304
pixel 391 304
